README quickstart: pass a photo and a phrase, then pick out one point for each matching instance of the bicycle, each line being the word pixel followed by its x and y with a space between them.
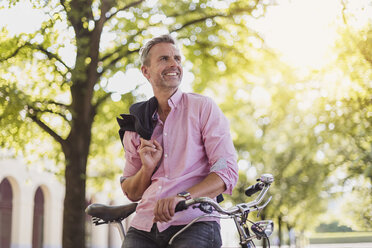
pixel 247 229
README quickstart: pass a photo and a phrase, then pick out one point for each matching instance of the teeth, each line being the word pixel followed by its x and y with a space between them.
pixel 171 74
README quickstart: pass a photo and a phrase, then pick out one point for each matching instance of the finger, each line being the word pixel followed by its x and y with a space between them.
pixel 166 210
pixel 146 143
pixel 156 218
pixel 158 212
pixel 157 144
pixel 147 149
pixel 161 211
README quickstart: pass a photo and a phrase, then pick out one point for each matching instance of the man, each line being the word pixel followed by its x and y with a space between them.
pixel 177 146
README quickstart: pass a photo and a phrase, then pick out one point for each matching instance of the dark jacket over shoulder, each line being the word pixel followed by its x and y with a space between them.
pixel 139 119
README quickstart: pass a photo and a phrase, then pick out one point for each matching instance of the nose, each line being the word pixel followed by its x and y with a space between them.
pixel 174 62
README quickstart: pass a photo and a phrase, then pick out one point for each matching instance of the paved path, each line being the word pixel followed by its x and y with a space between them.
pixel 351 245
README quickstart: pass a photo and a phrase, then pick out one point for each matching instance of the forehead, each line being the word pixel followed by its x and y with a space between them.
pixel 164 49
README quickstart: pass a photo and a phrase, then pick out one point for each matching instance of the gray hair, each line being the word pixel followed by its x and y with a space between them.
pixel 145 50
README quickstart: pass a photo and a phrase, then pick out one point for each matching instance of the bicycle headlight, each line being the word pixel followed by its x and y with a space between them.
pixel 263 229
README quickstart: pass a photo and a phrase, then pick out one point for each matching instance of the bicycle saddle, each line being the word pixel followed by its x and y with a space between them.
pixel 110 213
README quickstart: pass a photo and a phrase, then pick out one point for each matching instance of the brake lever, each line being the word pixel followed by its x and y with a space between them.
pixel 205 207
pixel 259 208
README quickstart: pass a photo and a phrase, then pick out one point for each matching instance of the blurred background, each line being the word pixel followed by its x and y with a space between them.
pixel 294 78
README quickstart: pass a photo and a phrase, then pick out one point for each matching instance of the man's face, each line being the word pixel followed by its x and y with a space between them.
pixel 164 70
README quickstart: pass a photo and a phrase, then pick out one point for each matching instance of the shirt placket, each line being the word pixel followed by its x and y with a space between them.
pixel 166 144
pixel 159 187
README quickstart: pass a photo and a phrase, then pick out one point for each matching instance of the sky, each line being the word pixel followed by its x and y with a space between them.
pixel 294 27
pixel 302 31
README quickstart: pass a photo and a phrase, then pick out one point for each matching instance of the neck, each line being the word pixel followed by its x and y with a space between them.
pixel 163 97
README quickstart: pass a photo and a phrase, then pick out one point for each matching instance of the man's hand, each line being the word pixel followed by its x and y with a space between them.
pixel 164 208
pixel 150 152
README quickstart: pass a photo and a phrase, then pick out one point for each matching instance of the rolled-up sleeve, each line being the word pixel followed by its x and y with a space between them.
pixel 132 158
pixel 218 144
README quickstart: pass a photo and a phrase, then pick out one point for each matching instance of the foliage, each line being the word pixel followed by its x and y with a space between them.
pixel 312 132
pixel 54 82
pixel 341 238
pixel 333 227
pixel 349 113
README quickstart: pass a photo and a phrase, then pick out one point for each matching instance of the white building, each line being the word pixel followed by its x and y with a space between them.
pixel 30 207
pixel 31 211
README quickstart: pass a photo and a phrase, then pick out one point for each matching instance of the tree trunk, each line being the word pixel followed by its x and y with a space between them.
pixel 263 217
pixel 280 235
pixel 264 243
pixel 76 149
pixel 291 237
pixel 74 203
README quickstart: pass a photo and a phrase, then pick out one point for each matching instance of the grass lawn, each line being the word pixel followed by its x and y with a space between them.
pixel 340 237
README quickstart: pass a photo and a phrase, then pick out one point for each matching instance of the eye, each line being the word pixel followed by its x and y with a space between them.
pixel 164 58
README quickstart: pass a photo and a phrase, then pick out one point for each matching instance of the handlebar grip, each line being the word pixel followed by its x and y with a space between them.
pixel 181 206
pixel 254 189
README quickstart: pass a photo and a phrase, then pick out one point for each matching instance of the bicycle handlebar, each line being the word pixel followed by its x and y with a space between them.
pixel 254 189
pixel 181 206
pixel 239 212
pixel 262 186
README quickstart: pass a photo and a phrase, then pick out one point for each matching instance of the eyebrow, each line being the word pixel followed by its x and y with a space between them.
pixel 167 56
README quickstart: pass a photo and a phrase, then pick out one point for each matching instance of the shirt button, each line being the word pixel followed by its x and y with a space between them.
pixel 165 155
pixel 159 187
pixel 165 134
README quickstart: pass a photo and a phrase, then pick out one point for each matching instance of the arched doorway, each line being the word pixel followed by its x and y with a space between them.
pixel 88 226
pixel 6 197
pixel 38 223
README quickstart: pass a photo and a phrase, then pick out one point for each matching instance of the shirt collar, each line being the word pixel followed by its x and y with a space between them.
pixel 175 99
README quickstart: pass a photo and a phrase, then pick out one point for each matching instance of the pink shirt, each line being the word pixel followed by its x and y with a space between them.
pixel 196 141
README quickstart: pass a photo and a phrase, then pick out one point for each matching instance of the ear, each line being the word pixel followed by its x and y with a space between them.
pixel 145 72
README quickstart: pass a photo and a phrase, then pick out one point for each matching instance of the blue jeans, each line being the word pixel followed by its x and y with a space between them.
pixel 205 234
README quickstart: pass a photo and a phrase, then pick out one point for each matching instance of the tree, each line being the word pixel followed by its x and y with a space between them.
pixel 307 130
pixel 348 113
pixel 35 74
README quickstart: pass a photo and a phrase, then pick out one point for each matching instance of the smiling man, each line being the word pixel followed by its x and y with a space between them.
pixel 177 146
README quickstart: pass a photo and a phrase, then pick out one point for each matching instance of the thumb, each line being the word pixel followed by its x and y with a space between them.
pixel 157 144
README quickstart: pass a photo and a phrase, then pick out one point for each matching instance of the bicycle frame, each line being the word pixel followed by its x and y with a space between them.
pixel 103 214
pixel 238 213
